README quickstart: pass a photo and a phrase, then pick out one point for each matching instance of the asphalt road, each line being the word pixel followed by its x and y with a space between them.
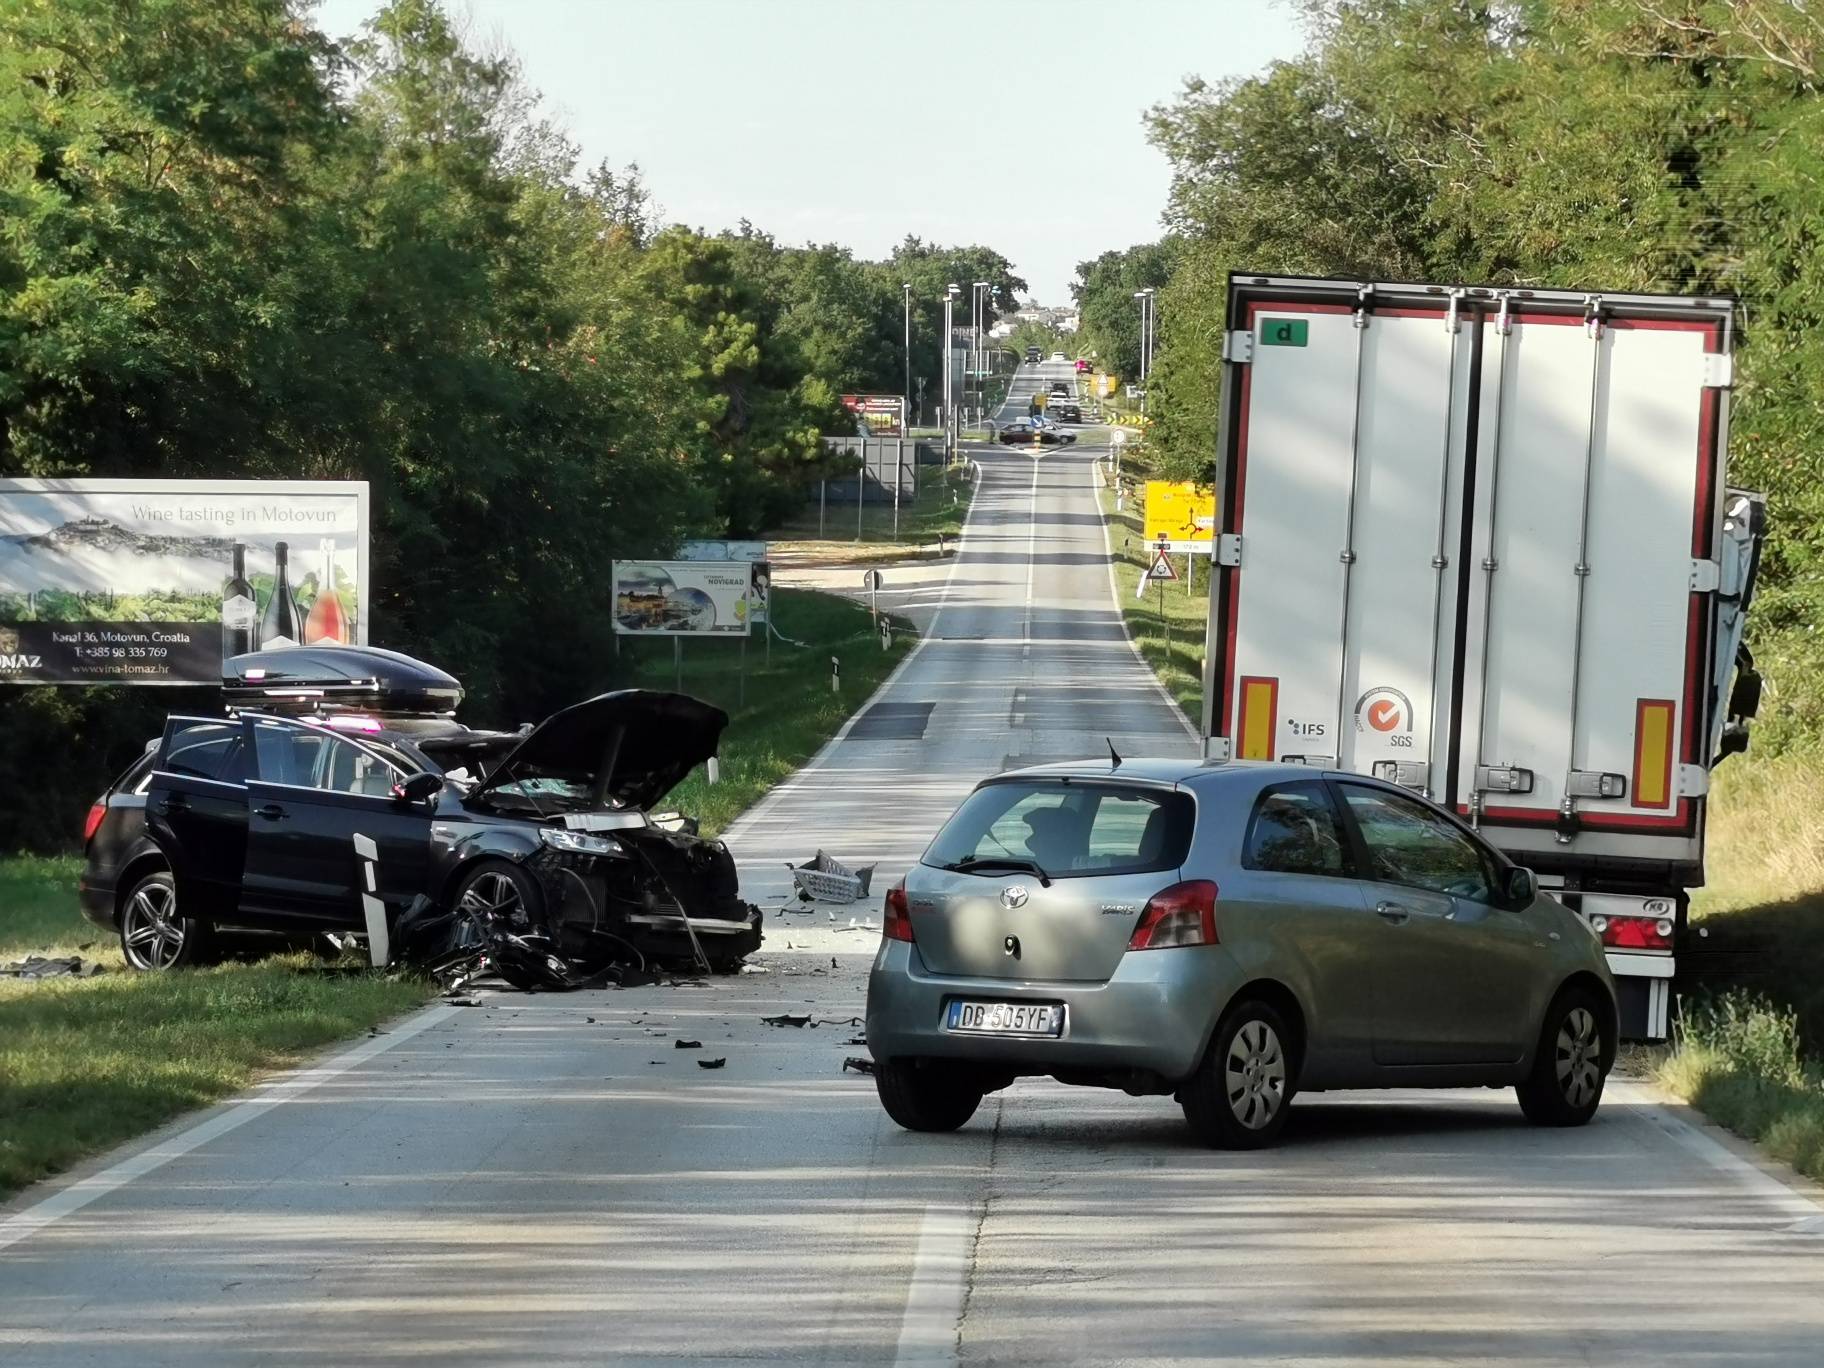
pixel 552 1179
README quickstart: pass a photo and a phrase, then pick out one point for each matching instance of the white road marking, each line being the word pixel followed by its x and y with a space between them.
pixel 1792 1205
pixel 1114 594
pixel 934 1298
pixel 285 1088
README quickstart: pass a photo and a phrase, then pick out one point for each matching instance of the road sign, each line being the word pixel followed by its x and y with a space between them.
pixel 1179 511
pixel 1162 568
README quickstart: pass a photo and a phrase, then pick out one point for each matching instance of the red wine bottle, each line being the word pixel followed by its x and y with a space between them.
pixel 326 624
pixel 240 611
pixel 281 624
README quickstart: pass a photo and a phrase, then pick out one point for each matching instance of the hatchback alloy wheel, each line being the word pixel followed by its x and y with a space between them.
pixel 1577 1058
pixel 1255 1075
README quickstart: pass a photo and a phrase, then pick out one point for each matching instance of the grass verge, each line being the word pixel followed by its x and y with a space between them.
pixel 1167 626
pixel 87 1063
pixel 941 506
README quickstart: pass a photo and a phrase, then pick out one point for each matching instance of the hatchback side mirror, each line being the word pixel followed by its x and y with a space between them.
pixel 415 788
pixel 1522 887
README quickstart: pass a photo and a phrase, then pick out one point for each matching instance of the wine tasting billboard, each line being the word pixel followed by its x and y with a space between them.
pixel 682 598
pixel 160 581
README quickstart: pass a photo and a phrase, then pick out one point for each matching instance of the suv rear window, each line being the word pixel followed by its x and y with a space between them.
pixel 1070 829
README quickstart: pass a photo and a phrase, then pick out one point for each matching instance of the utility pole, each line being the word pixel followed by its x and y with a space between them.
pixel 950 294
pixel 906 393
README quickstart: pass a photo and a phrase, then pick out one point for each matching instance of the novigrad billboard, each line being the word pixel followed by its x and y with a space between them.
pixel 160 581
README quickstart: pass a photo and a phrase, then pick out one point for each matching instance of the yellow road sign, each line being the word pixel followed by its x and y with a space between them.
pixel 1179 511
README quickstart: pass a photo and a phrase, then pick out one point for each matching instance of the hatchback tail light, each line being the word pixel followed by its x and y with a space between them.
pixel 92 823
pixel 1184 914
pixel 897 923
pixel 1633 933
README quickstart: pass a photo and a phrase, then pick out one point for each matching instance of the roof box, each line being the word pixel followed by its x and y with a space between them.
pixel 337 679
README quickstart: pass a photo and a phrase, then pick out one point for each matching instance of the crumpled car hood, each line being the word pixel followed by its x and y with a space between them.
pixel 632 746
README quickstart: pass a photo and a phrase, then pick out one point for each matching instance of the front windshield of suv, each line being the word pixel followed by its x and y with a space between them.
pixel 1066 828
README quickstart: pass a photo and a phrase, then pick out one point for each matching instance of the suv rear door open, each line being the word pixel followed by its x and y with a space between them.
pixel 196 810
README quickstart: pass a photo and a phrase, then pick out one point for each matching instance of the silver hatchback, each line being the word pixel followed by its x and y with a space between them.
pixel 1228 934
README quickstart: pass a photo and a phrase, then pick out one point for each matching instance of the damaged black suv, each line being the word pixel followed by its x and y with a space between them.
pixel 340 796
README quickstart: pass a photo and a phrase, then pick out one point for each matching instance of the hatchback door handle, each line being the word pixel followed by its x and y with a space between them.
pixel 173 804
pixel 272 812
pixel 1392 912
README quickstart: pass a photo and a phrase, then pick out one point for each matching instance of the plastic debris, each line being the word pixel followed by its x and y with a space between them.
pixel 825 878
pixel 712 1063
pixel 860 1066
pixel 38 967
pixel 787 1019
pixel 682 1044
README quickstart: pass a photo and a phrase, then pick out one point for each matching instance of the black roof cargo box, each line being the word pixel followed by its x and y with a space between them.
pixel 339 678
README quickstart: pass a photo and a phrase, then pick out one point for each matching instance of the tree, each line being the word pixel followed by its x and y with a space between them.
pixel 1104 293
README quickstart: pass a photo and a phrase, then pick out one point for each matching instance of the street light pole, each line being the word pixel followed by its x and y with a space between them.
pixel 1146 339
pixel 950 294
pixel 906 393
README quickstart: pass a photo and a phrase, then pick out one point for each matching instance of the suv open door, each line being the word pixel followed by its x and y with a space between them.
pixel 196 811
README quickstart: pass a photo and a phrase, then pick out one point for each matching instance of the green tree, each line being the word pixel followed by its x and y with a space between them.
pixel 1104 293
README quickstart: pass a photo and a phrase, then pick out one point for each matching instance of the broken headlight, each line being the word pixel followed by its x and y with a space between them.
pixel 580 842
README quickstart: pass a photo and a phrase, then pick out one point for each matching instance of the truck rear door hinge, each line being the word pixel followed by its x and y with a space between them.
pixel 1693 781
pixel 1228 549
pixel 1706 576
pixel 1238 347
pixel 1719 370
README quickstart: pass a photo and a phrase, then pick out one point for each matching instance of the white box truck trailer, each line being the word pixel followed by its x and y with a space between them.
pixel 1479 542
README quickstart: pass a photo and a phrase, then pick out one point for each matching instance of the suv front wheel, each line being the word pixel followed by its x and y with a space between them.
pixel 154 934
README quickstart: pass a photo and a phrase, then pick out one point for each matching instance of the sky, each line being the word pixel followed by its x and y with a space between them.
pixel 857 122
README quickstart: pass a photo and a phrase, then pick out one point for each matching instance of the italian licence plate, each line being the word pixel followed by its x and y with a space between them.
pixel 1007 1018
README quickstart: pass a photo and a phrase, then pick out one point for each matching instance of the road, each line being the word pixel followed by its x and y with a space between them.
pixel 551 1178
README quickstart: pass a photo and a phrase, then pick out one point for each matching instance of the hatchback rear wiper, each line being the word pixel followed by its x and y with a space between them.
pixel 976 863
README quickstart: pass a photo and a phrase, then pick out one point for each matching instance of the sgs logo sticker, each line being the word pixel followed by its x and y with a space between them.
pixel 1385 712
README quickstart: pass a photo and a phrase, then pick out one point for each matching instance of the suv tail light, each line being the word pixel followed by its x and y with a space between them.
pixel 92 823
pixel 897 923
pixel 1184 914
pixel 1633 933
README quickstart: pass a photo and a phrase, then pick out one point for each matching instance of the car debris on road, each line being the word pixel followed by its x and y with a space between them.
pixel 34 967
pixel 825 878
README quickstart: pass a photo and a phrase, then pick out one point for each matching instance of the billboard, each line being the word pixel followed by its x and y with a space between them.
pixel 159 581
pixel 681 598
pixel 1180 513
pixel 878 415
pixel 751 553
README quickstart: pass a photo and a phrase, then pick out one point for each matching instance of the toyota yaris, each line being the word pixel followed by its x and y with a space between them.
pixel 1229 935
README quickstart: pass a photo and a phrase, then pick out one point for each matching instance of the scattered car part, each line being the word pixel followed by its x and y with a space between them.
pixel 827 878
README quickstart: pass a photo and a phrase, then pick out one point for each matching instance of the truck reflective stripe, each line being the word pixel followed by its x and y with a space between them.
pixel 1653 746
pixel 1258 717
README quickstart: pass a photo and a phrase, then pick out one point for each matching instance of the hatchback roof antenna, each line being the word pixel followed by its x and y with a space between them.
pixel 1113 756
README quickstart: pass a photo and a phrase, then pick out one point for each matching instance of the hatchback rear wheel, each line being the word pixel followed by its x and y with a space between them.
pixel 1571 1063
pixel 154 934
pixel 1238 1097
pixel 929 1095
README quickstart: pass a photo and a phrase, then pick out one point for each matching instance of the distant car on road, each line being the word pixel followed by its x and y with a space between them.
pixel 1032 355
pixel 1034 432
pixel 1228 935
pixel 1065 413
pixel 1057 356
pixel 256 820
pixel 1060 389
pixel 1082 365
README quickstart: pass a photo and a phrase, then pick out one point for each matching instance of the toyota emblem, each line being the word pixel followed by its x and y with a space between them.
pixel 1015 895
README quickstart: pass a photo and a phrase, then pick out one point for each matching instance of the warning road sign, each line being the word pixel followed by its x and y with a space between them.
pixel 1162 568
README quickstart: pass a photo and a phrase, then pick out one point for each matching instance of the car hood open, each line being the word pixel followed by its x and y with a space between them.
pixel 631 747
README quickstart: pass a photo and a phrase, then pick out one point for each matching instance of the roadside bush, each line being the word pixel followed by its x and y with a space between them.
pixel 1737 1058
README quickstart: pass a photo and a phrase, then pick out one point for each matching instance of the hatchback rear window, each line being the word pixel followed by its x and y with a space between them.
pixel 1068 828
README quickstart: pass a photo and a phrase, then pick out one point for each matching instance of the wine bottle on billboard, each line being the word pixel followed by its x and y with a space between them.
pixel 326 624
pixel 281 625
pixel 240 613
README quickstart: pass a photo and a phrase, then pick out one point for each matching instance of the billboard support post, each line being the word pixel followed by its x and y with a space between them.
pixel 677 663
pixel 823 489
pixel 861 486
pixel 899 473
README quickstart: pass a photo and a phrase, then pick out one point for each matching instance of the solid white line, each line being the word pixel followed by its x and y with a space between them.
pixel 1793 1205
pixel 1114 595
pixel 773 796
pixel 934 1299
pixel 285 1088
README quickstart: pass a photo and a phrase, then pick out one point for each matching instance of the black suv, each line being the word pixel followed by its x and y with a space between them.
pixel 340 795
